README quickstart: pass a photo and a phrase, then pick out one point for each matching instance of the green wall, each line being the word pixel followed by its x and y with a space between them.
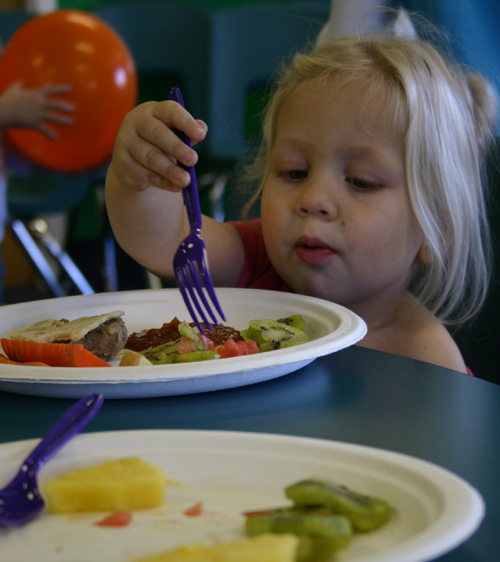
pixel 209 5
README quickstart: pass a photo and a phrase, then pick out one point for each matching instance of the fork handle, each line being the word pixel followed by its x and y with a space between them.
pixel 190 193
pixel 70 423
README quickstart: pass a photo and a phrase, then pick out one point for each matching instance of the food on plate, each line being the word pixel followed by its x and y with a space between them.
pixel 323 517
pixel 118 519
pixel 116 485
pixel 195 510
pixel 51 354
pixel 296 321
pixel 103 335
pixel 169 332
pixel 162 354
pixel 233 348
pixel 365 512
pixel 320 532
pixel 133 359
pixel 87 342
pixel 180 342
pixel 5 361
pixel 266 548
pixel 191 346
pixel 193 356
pixel 270 334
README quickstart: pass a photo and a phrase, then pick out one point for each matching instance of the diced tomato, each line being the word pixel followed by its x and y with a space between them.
pixel 229 349
pixel 242 347
pixel 237 349
pixel 252 347
pixel 195 510
pixel 186 345
pixel 207 342
pixel 118 519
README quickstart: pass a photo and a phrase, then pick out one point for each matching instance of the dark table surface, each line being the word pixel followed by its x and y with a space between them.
pixel 356 395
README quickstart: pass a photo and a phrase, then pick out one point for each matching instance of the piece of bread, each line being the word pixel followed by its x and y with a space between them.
pixel 104 335
pixel 54 331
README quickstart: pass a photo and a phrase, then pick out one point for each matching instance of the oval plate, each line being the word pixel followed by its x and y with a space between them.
pixel 330 328
pixel 233 472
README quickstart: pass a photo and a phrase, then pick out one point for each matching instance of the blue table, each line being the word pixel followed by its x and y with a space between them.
pixel 357 396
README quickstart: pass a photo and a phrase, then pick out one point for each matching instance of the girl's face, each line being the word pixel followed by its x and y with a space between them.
pixel 335 212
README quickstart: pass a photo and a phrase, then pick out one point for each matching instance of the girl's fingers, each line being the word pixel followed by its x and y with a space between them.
pixel 170 115
pixel 176 117
pixel 156 162
pixel 167 143
pixel 147 139
pixel 138 176
pixel 143 177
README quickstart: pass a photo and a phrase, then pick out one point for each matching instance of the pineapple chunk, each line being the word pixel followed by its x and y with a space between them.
pixel 133 359
pixel 264 548
pixel 116 485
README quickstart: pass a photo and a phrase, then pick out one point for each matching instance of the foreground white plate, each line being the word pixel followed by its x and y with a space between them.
pixel 330 328
pixel 229 472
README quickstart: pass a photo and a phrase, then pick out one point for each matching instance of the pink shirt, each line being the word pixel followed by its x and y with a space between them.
pixel 258 272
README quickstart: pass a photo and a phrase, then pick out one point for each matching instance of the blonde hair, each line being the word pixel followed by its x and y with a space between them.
pixel 448 118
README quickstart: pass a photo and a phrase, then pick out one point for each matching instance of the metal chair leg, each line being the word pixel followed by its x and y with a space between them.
pixel 38 229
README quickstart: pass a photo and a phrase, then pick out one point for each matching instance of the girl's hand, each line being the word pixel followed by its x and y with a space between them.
pixel 146 147
pixel 31 109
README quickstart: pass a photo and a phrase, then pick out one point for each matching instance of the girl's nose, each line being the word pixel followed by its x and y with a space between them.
pixel 317 198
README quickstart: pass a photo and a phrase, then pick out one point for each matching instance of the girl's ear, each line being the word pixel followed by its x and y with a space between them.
pixel 424 254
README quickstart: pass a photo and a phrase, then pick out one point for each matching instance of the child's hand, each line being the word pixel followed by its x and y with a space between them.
pixel 146 148
pixel 30 109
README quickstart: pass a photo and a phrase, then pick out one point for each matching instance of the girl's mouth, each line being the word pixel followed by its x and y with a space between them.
pixel 313 251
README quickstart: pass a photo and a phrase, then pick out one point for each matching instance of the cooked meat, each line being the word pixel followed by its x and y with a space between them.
pixel 106 340
pixel 139 341
pixel 219 334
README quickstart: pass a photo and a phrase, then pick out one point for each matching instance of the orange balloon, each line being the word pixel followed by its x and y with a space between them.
pixel 75 48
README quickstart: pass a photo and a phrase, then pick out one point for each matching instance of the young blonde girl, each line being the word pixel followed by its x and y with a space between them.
pixel 371 190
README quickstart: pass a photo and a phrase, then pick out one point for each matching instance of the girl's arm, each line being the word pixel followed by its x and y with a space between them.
pixel 144 199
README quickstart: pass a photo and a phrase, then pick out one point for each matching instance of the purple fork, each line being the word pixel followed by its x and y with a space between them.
pixel 190 261
pixel 21 500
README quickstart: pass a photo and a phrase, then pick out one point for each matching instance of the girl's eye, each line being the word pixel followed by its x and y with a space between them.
pixel 362 184
pixel 294 174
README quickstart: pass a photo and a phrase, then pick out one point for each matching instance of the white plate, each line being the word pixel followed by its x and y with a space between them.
pixel 434 510
pixel 330 328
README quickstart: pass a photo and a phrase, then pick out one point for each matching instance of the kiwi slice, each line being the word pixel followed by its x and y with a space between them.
pixel 295 321
pixel 162 354
pixel 189 332
pixel 194 356
pixel 365 512
pixel 270 334
pixel 320 533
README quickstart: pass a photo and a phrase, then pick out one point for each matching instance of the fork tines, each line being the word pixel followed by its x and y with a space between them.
pixel 188 275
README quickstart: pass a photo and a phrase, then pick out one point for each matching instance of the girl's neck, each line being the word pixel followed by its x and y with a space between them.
pixel 392 327
pixel 384 317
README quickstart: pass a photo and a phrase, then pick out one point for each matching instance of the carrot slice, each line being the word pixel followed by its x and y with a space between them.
pixel 6 361
pixel 53 354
